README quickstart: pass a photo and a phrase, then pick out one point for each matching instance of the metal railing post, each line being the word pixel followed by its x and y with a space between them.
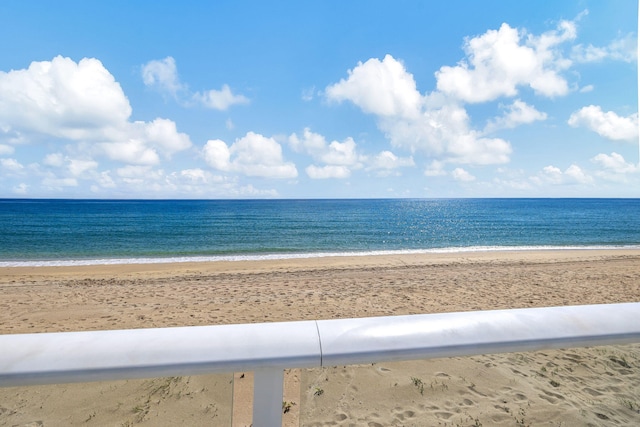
pixel 267 397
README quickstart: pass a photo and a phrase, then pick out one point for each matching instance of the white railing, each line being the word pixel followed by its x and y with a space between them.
pixel 269 348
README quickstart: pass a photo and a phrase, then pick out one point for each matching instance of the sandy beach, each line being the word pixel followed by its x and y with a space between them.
pixel 589 386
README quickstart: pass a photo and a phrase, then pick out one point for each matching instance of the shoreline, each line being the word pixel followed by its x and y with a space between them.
pixel 322 261
pixel 300 255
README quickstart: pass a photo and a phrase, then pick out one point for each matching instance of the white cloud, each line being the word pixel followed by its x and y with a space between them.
pixel 104 180
pixel 622 49
pixel 81 102
pixel 462 175
pixel 251 155
pixel 62 98
pixel 79 167
pixel 217 154
pixel 196 175
pixel 552 174
pixel 219 99
pixel 572 175
pixel 133 151
pixel 433 124
pixel 339 157
pixel 21 189
pixel 163 75
pixel 383 88
pixel 308 94
pixel 54 183
pixel 328 171
pixel 11 165
pixel 608 125
pixel 341 153
pixel 310 143
pixel 436 168
pixel 501 60
pixel 164 135
pixel 516 114
pixel 386 161
pixel 575 173
pixel 6 149
pixel 54 160
pixel 143 176
pixel 615 163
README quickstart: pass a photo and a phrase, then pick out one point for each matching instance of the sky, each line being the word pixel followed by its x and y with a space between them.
pixel 319 99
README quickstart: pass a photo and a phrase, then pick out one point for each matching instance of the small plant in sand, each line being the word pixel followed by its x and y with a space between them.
pixel 622 361
pixel 627 403
pixel 318 391
pixel 286 406
pixel 419 384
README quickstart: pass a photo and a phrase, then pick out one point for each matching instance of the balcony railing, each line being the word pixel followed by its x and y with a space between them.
pixel 269 348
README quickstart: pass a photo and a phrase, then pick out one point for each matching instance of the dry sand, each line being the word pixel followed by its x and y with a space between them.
pixel 592 386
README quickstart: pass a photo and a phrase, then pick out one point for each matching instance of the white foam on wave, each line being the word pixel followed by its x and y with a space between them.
pixel 261 257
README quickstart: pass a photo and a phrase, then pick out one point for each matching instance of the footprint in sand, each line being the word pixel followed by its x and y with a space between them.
pixel 340 417
pixel 591 391
pixel 467 402
pixel 404 415
pixel 550 397
pixel 442 415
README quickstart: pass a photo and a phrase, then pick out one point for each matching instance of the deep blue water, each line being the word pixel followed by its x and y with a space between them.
pixel 53 232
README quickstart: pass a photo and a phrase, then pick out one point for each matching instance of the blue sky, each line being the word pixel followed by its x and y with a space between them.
pixel 327 99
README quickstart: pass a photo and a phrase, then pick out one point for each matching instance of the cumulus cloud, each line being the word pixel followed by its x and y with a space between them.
pixel 80 167
pixel 554 175
pixel 6 149
pixel 54 159
pixel 607 124
pixel 21 189
pixel 162 74
pixel 516 114
pixel 339 158
pixel 54 183
pixel 436 168
pixel 499 61
pixel 62 98
pixel 251 155
pixel 82 102
pixel 328 171
pixel 385 162
pixel 383 88
pixel 219 99
pixel 622 49
pixel 433 124
pixel 586 89
pixel 615 164
pixel 11 165
pixel 462 175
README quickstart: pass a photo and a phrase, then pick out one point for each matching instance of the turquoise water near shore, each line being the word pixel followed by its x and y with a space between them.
pixel 74 232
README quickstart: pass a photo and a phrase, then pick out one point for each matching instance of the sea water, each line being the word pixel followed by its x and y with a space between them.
pixel 76 232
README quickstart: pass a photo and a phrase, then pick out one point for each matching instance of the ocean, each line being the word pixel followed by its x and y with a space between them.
pixel 82 232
